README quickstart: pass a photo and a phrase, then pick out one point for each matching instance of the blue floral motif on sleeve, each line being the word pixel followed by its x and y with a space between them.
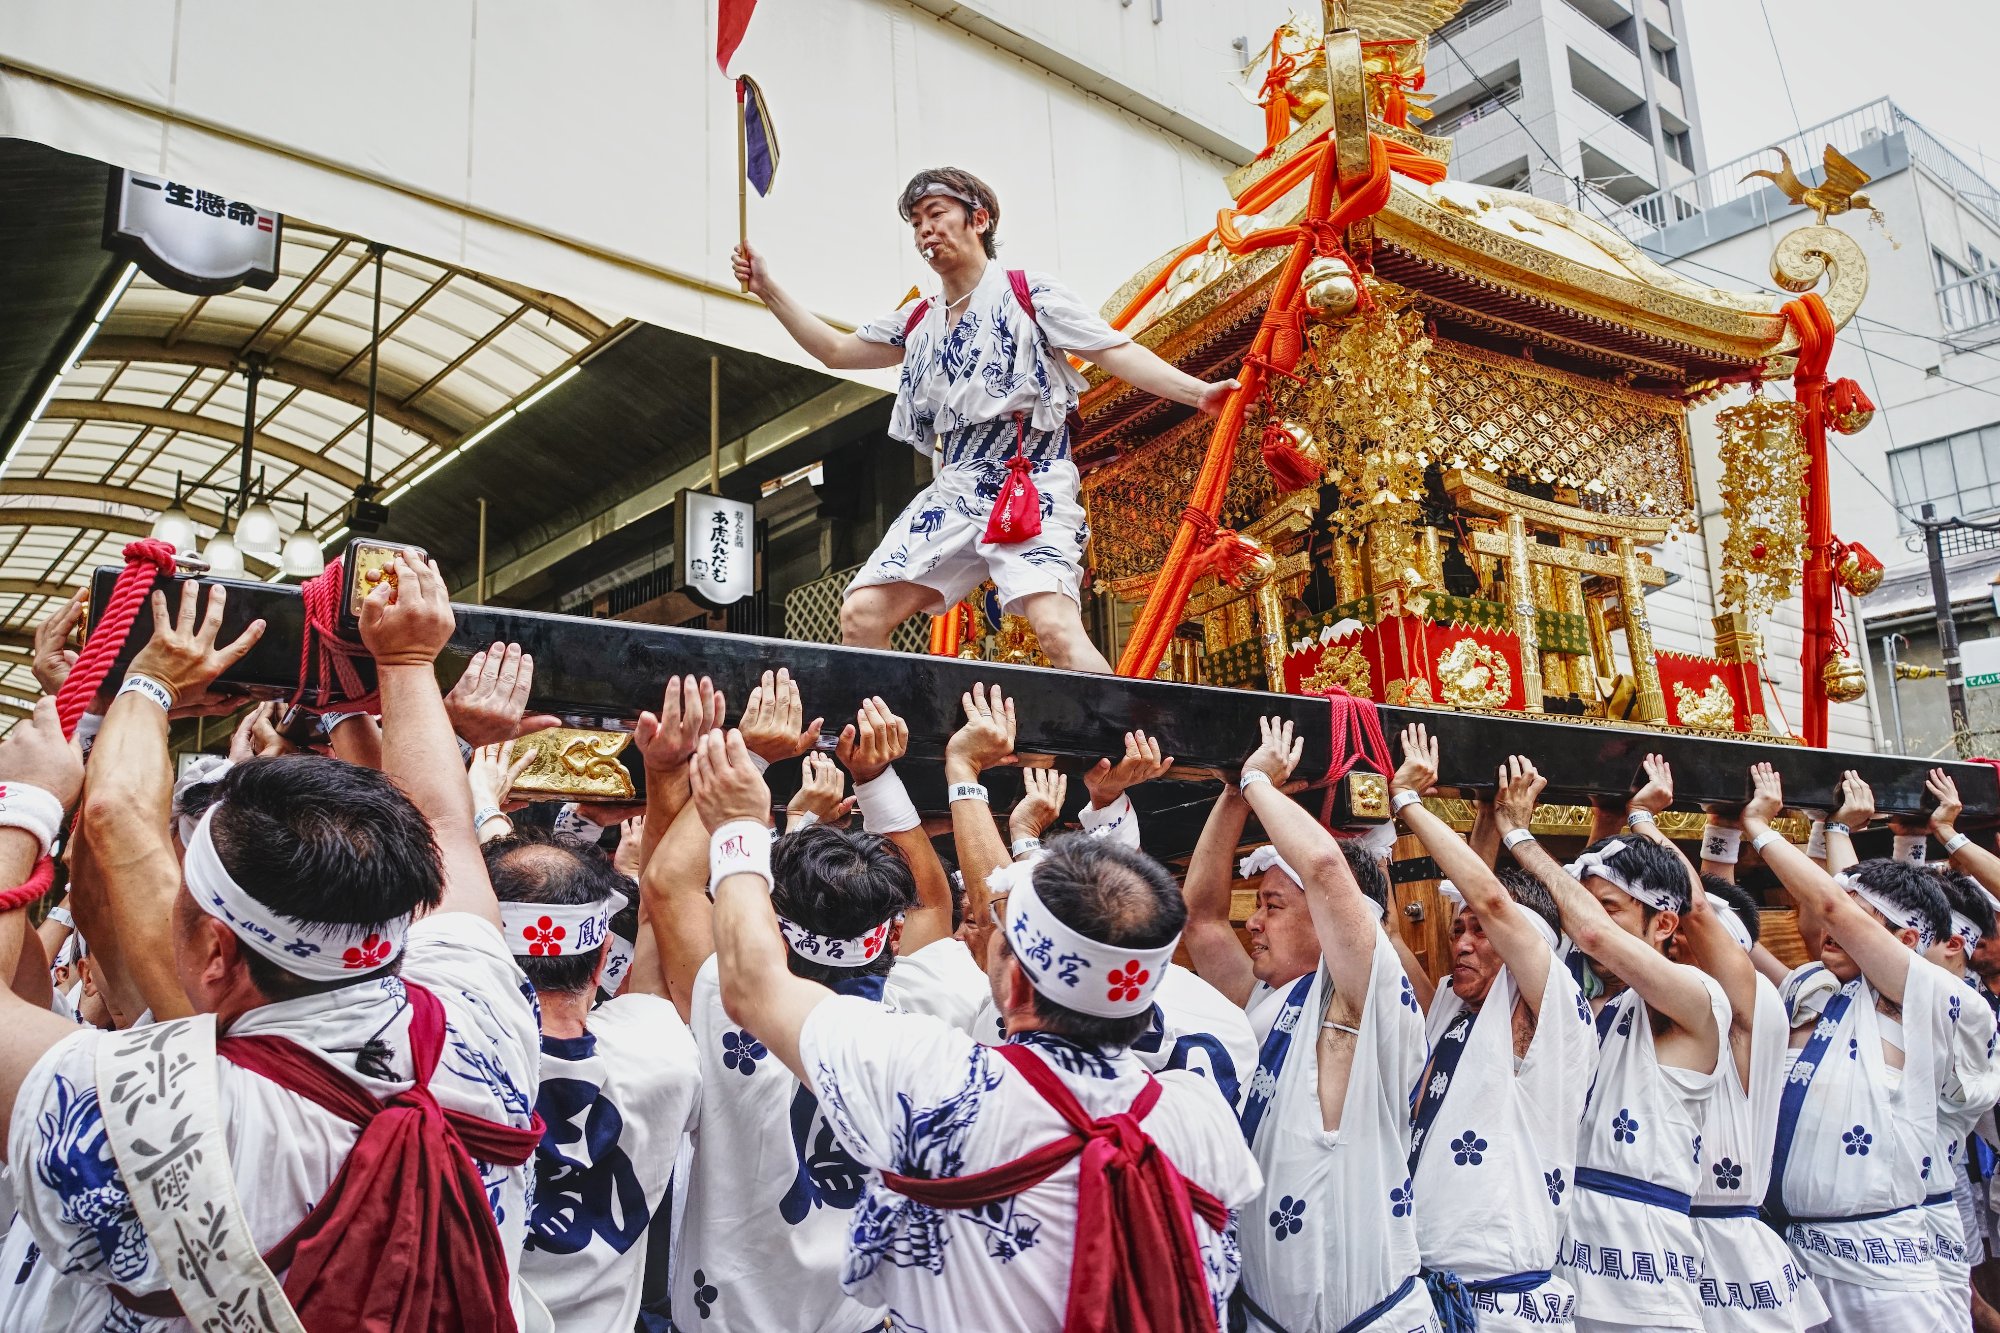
pixel 74 1159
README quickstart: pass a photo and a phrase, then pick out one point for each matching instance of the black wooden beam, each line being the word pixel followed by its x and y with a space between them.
pixel 604 672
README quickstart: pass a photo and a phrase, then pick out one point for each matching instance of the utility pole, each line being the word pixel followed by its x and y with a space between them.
pixel 1941 597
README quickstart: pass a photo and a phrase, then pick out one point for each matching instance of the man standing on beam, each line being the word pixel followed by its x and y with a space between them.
pixel 987 391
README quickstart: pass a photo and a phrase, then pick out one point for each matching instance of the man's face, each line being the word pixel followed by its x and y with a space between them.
pixel 1474 961
pixel 1839 962
pixel 1630 916
pixel 944 236
pixel 1283 945
pixel 1985 960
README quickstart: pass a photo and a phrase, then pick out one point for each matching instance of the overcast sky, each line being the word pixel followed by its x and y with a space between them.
pixel 1936 58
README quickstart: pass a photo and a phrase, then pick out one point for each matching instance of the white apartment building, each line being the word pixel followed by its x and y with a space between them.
pixel 1541 93
pixel 1926 349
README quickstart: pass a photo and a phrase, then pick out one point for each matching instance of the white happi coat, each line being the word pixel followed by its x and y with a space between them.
pixel 1750 1281
pixel 962 383
pixel 769 1194
pixel 1638 1263
pixel 283 1150
pixel 1971 1087
pixel 1495 1175
pixel 910 1095
pixel 1865 1144
pixel 1333 1234
pixel 614 1102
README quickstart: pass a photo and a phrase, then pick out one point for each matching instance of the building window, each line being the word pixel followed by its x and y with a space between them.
pixel 1960 474
pixel 1667 63
pixel 1485 104
pixel 1680 147
pixel 1968 297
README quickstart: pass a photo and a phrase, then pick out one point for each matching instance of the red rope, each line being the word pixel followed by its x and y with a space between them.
pixel 143 561
pixel 325 659
pixel 1354 734
pixel 32 888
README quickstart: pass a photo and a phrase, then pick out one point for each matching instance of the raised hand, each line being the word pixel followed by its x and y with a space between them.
pixel 182 655
pixel 494 770
pixel 772 719
pixel 1277 753
pixel 1768 795
pixel 407 619
pixel 631 840
pixel 256 736
pixel 727 786
pixel 1419 770
pixel 748 266
pixel 53 655
pixel 1857 801
pixel 875 739
pixel 1142 763
pixel 987 738
pixel 1658 793
pixel 488 703
pixel 822 791
pixel 37 754
pixel 1520 786
pixel 1944 818
pixel 690 709
pixel 1040 805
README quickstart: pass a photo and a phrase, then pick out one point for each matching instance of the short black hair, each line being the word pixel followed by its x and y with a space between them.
pixel 1964 896
pixel 841 884
pixel 965 183
pixel 1366 867
pixel 1532 894
pixel 532 865
pixel 1650 866
pixel 1739 899
pixel 1112 894
pixel 1911 887
pixel 325 842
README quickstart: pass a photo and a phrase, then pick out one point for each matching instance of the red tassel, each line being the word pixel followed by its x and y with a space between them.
pixel 1290 470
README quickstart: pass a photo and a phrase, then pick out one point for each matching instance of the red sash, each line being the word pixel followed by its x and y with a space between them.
pixel 1135 1267
pixel 403 1240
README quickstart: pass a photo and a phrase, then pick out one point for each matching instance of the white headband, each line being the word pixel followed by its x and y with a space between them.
pixel 550 930
pixel 930 188
pixel 1966 930
pixel 1451 894
pixel 1267 858
pixel 317 950
pixel 817 948
pixel 617 961
pixel 201 770
pixel 1598 864
pixel 1901 918
pixel 1110 981
pixel 1731 923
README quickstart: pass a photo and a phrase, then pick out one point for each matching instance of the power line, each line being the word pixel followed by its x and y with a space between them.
pixel 1783 77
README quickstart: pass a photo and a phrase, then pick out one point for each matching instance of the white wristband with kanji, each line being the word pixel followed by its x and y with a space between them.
pixel 885 804
pixel 1911 847
pixel 32 809
pixel 740 847
pixel 1721 845
pixel 1402 801
pixel 135 683
pixel 1515 837
pixel 1956 841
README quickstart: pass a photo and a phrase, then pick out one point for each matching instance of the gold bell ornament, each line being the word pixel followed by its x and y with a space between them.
pixel 1858 569
pixel 1845 680
pixel 1329 289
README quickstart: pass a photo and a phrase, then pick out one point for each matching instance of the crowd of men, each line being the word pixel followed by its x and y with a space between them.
pixel 324 1038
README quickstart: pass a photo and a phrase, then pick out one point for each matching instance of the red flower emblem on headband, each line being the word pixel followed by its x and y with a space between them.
pixel 1126 981
pixel 871 943
pixel 544 938
pixel 372 952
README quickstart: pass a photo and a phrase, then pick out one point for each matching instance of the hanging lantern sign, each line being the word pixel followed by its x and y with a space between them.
pixel 715 547
pixel 190 239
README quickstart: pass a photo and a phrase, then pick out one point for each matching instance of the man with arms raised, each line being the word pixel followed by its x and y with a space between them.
pixel 1119 1215
pixel 1631 1253
pixel 986 390
pixel 373 1107
pixel 1871 1063
pixel 1493 1144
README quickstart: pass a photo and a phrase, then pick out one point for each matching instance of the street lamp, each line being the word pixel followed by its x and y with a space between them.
pixel 175 525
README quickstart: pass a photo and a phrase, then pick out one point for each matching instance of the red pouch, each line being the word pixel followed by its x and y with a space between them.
pixel 1017 510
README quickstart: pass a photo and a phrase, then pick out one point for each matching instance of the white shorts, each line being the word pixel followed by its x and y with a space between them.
pixel 937 540
pixel 1859 1309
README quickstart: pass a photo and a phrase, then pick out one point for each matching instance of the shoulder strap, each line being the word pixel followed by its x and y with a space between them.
pixel 161 1105
pixel 917 313
pixel 1018 280
pixel 1797 1083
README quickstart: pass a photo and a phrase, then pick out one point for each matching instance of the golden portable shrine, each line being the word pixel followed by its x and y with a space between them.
pixel 1463 427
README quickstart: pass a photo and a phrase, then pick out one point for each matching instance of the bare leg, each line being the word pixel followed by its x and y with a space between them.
pixel 868 616
pixel 1058 624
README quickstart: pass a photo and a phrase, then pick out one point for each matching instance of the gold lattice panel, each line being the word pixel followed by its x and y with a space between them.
pixel 1625 452
pixel 1135 503
pixel 812 614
